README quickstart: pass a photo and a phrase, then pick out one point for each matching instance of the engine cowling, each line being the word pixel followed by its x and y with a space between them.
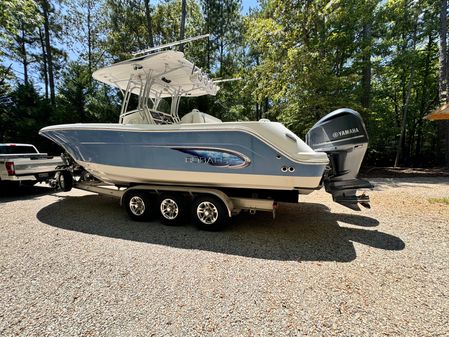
pixel 342 135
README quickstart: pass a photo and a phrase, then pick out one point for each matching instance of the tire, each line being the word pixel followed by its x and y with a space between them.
pixel 139 205
pixel 65 181
pixel 209 213
pixel 172 209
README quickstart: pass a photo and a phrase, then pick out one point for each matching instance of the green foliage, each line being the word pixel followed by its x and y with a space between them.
pixel 166 25
pixel 26 113
pixel 10 11
pixel 85 22
pixel 81 100
pixel 311 59
pixel 127 31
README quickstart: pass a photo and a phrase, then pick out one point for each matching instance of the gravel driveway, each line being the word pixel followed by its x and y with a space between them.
pixel 73 264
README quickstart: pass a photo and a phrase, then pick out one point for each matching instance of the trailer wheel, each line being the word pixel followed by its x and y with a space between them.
pixel 209 213
pixel 139 205
pixel 65 181
pixel 172 209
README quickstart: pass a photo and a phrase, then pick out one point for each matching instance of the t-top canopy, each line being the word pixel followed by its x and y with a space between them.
pixel 167 73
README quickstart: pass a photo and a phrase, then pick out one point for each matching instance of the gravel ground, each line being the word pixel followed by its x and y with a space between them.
pixel 72 264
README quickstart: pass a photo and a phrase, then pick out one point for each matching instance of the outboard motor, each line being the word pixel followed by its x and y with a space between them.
pixel 342 135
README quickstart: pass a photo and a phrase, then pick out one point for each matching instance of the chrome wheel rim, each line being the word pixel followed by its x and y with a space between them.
pixel 207 212
pixel 137 205
pixel 169 209
pixel 61 181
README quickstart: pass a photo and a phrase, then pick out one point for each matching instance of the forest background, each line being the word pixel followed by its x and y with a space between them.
pixel 298 61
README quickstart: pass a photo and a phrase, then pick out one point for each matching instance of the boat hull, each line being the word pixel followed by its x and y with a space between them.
pixel 224 158
pixel 122 175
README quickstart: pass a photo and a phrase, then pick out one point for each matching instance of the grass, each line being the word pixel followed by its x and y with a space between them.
pixel 439 201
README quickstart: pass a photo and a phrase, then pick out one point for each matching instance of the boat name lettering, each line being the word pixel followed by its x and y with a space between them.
pixel 215 157
pixel 345 132
pixel 211 161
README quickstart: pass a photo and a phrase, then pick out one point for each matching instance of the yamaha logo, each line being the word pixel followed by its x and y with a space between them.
pixel 337 134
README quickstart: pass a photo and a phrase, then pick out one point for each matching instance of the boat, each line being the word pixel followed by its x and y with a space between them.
pixel 152 144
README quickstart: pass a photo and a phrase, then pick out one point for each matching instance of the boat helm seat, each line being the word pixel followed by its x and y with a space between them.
pixel 196 116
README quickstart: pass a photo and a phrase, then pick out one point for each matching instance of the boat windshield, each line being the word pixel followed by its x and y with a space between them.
pixel 149 110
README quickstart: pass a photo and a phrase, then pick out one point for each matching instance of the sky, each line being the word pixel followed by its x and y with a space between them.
pixel 247 4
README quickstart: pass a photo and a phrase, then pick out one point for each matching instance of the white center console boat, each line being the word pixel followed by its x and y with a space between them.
pixel 154 152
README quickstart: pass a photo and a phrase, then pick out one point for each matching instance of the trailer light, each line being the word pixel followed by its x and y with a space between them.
pixel 10 168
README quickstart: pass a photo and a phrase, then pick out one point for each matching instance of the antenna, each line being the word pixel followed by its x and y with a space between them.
pixel 168 45
pixel 227 80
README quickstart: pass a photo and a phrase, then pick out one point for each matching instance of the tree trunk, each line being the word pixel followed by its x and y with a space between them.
pixel 401 144
pixel 89 37
pixel 222 36
pixel 24 53
pixel 366 70
pixel 443 127
pixel 266 106
pixel 51 79
pixel 44 61
pixel 148 23
pixel 207 12
pixel 442 52
pixel 424 99
pixel 183 23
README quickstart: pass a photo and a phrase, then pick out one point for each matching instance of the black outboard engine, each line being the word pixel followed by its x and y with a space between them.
pixel 342 135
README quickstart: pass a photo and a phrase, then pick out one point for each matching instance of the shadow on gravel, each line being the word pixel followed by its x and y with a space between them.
pixel 304 232
pixel 9 193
